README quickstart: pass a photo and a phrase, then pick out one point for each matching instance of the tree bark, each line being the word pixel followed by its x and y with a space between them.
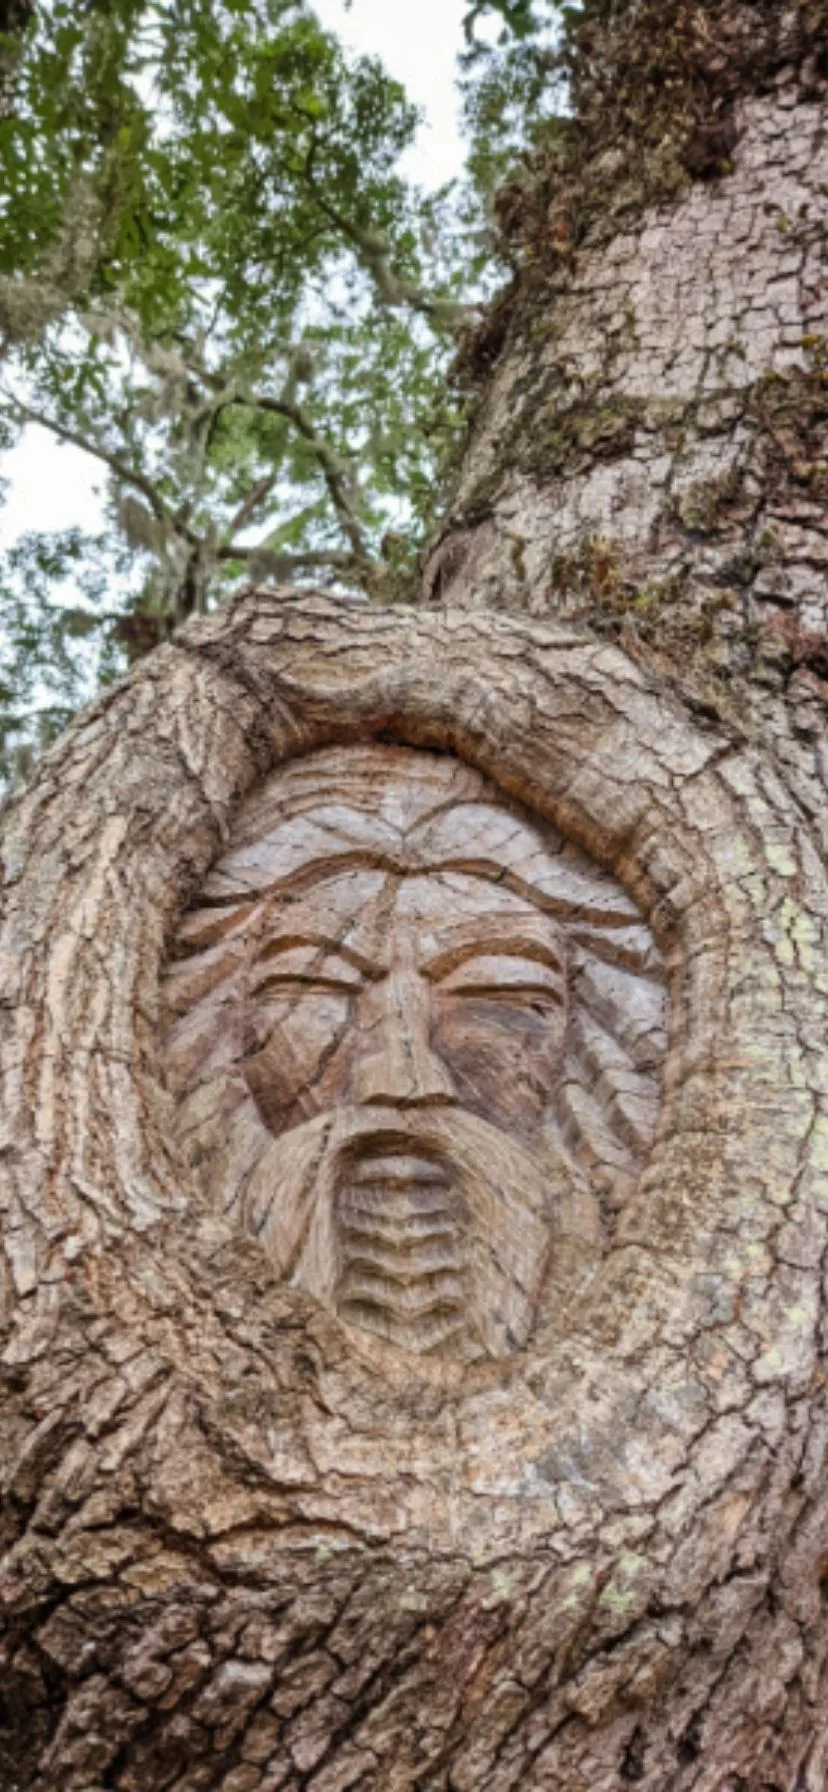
pixel 240 1554
pixel 650 452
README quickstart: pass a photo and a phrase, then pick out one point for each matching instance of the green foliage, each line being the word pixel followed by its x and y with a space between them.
pixel 519 18
pixel 215 282
pixel 512 86
pixel 53 648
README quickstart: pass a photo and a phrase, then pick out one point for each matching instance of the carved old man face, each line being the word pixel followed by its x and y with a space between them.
pixel 374 1021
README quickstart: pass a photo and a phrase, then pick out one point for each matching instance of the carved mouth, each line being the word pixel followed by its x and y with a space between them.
pixel 403 1254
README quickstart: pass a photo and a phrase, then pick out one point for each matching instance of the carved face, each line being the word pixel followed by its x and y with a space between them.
pixel 373 1040
pixel 407 992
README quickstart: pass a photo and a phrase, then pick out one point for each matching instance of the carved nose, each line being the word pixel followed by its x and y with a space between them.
pixel 397 1064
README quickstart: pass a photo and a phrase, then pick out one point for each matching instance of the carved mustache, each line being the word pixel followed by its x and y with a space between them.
pixel 502 1200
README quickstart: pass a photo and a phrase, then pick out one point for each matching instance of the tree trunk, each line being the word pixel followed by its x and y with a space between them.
pixel 249 1544
pixel 650 455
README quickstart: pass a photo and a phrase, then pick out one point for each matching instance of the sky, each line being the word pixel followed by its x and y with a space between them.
pixel 418 44
pixel 55 486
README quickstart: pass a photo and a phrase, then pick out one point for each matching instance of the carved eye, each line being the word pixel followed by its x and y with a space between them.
pixel 528 994
pixel 282 983
pixel 294 971
pixel 513 980
pixel 299 991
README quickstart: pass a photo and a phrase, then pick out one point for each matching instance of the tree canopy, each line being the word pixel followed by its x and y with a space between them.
pixel 215 281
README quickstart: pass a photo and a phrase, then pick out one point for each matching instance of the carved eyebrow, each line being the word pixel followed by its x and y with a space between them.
pixel 452 958
pixel 267 959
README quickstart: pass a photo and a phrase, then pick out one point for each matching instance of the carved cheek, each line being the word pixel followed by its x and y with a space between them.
pixel 294 1066
pixel 503 1056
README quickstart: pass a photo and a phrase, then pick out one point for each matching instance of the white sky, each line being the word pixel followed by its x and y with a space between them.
pixel 55 486
pixel 418 43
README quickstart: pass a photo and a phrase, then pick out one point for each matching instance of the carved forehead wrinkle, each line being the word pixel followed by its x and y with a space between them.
pixel 358 910
pixel 332 906
pixel 400 786
pixel 460 896
pixel 401 809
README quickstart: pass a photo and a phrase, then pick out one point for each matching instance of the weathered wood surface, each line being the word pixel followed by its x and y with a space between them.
pixel 243 1552
pixel 418 1044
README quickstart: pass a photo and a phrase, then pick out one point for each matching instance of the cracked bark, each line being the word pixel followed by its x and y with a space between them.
pixel 237 1555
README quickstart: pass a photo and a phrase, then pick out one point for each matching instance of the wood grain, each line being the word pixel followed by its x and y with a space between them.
pixel 472 1009
pixel 250 1544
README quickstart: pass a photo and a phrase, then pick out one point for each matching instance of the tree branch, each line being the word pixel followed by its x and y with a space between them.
pixel 332 557
pixel 333 470
pixel 247 509
pixel 130 475
pixel 393 290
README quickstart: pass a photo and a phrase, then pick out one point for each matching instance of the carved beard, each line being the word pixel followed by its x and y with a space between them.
pixel 431 1230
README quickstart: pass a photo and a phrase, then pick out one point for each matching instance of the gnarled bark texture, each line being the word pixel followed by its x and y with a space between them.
pixel 242 1550
pixel 240 1553
pixel 650 455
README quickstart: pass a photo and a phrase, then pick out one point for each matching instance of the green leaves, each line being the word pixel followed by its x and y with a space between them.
pixel 512 88
pixel 519 17
pixel 207 268
pixel 214 280
pixel 53 646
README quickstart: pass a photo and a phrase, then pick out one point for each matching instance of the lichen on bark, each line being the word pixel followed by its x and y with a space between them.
pixel 648 455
